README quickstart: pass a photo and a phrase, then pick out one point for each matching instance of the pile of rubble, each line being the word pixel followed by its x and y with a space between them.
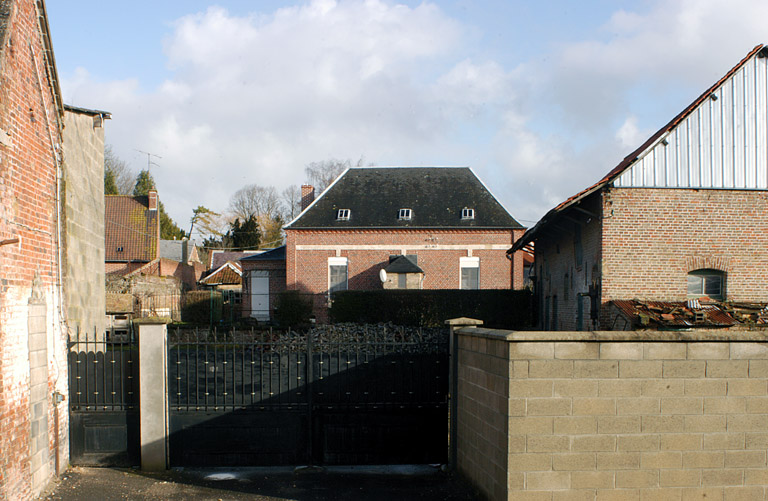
pixel 697 313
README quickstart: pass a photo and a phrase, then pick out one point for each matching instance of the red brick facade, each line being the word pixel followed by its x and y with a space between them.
pixel 30 120
pixel 648 241
pixel 368 251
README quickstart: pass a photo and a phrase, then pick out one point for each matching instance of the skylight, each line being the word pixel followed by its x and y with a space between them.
pixel 404 215
pixel 343 215
pixel 467 213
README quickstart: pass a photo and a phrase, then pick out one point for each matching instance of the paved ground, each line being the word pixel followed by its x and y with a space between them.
pixel 390 484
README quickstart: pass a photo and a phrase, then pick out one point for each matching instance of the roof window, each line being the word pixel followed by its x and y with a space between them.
pixel 467 213
pixel 404 215
pixel 343 215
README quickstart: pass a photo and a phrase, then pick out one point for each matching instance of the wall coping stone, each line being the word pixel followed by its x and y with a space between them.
pixel 633 336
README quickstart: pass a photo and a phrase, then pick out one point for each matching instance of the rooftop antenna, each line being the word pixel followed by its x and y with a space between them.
pixel 149 158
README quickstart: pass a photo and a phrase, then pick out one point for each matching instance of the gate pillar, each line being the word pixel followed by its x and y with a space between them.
pixel 153 395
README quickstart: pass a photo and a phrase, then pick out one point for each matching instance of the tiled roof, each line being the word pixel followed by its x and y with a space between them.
pixel 676 315
pixel 435 196
pixel 632 157
pixel 230 273
pixel 131 229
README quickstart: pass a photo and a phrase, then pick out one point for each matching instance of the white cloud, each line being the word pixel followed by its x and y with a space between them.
pixel 253 99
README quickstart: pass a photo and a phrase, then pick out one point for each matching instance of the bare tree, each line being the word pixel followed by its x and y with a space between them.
pixel 255 200
pixel 123 176
pixel 322 174
pixel 291 198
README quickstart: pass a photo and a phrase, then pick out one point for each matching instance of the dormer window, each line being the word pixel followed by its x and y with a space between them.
pixel 343 215
pixel 467 213
pixel 404 215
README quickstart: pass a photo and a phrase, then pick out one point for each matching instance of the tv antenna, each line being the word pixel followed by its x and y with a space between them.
pixel 149 158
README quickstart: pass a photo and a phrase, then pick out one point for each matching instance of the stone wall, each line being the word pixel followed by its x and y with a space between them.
pixel 610 415
pixel 84 222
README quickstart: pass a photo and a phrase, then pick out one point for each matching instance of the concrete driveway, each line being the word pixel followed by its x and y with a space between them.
pixel 338 484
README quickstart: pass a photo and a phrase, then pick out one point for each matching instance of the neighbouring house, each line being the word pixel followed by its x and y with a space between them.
pixel 228 276
pixel 264 280
pixel 391 227
pixel 218 257
pixel 682 217
pixel 47 248
pixel 132 229
pixel 182 251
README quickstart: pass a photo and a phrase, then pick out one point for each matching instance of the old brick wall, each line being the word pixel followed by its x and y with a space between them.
pixel 84 222
pixel 28 211
pixel 654 237
pixel 568 260
pixel 609 415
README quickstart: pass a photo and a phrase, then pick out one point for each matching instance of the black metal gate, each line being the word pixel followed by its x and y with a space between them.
pixel 336 395
pixel 103 400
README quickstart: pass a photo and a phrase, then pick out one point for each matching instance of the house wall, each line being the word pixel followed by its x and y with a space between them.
pixel 654 237
pixel 610 415
pixel 122 268
pixel 560 276
pixel 84 222
pixel 277 282
pixel 31 320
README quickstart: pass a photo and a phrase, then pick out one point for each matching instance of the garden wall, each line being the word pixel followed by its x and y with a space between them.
pixel 613 415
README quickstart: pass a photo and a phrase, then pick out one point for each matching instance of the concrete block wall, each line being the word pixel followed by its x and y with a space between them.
pixel 608 415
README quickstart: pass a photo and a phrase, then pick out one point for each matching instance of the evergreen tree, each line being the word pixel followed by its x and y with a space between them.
pixel 110 186
pixel 243 236
pixel 169 230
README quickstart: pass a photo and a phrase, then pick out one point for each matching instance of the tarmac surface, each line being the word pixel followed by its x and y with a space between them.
pixel 388 483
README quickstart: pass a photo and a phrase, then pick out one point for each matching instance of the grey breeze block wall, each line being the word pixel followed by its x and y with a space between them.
pixel 84 220
pixel 612 415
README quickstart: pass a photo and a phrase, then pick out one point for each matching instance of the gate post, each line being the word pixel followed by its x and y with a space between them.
pixel 153 394
pixel 453 381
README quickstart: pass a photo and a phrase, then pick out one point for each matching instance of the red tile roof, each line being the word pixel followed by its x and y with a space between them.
pixel 632 157
pixel 230 273
pixel 132 231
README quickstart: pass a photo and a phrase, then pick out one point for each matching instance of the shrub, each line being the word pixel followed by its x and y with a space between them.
pixel 202 307
pixel 292 308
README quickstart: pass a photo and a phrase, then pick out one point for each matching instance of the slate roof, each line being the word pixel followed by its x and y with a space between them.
pixel 435 195
pixel 177 250
pixel 402 264
pixel 276 254
pixel 630 159
pixel 131 229
pixel 217 258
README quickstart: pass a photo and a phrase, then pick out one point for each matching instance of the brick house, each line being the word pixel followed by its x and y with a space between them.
pixel 447 224
pixel 263 278
pixel 132 226
pixel 681 217
pixel 50 182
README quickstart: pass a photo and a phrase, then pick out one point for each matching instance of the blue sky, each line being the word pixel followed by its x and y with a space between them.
pixel 539 98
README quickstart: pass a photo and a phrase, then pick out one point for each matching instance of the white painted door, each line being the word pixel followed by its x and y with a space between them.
pixel 260 295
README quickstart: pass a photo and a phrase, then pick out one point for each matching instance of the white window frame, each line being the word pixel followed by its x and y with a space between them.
pixel 467 213
pixel 404 214
pixel 702 277
pixel 343 215
pixel 469 262
pixel 338 261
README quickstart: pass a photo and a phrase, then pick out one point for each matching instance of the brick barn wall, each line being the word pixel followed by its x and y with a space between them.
pixel 28 183
pixel 654 237
pixel 559 274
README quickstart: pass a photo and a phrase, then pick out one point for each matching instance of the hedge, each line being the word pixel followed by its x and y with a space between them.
pixel 500 309
pixel 198 305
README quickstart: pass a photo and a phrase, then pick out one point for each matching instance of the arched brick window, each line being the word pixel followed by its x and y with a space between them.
pixel 706 282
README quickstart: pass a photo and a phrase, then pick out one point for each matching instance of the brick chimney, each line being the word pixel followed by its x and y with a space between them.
pixel 307 195
pixel 152 199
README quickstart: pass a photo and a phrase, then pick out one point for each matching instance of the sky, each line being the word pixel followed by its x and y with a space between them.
pixel 541 99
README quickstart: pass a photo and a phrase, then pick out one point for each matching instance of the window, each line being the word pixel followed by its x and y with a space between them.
pixel 337 274
pixel 404 215
pixel 467 213
pixel 710 283
pixel 343 215
pixel 470 272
